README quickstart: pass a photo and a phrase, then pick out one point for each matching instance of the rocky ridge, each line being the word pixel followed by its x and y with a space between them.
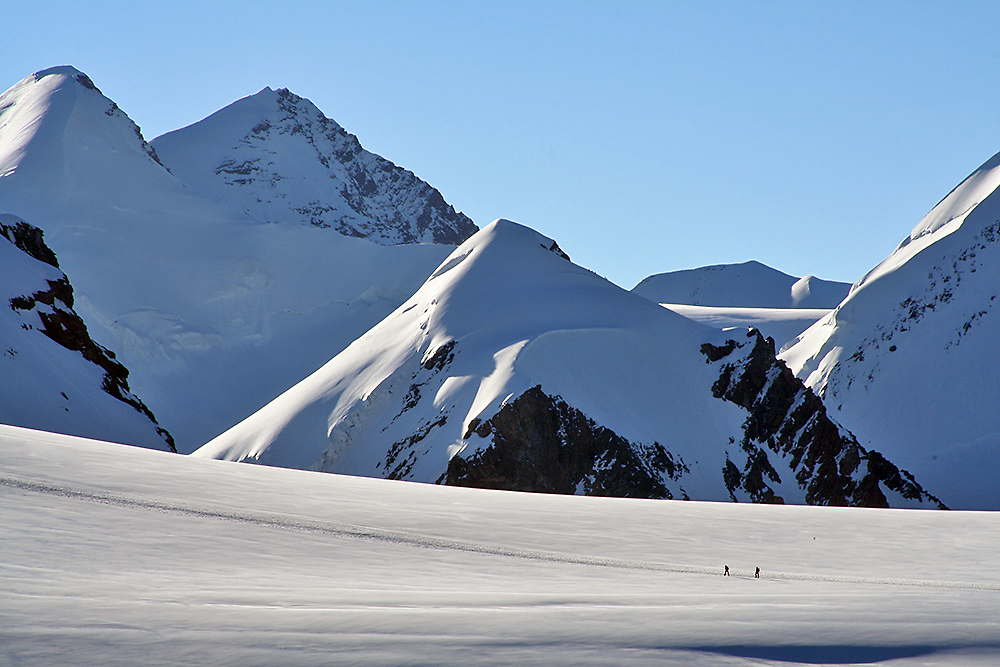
pixel 50 312
pixel 280 159
pixel 787 420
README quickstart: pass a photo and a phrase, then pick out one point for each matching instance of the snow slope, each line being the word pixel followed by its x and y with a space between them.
pixel 747 285
pixel 122 556
pixel 214 313
pixel 278 158
pixel 782 324
pixel 54 376
pixel 451 373
pixel 909 360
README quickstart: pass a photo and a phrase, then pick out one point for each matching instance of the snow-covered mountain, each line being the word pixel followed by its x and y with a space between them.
pixel 782 324
pixel 278 158
pixel 746 285
pixel 513 368
pixel 55 377
pixel 213 312
pixel 909 360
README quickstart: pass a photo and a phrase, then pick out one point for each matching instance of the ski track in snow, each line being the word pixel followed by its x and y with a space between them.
pixel 284 521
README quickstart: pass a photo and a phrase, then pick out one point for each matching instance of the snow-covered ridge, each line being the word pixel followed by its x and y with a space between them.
pixel 513 368
pixel 55 377
pixel 908 361
pixel 746 285
pixel 279 159
pixel 212 313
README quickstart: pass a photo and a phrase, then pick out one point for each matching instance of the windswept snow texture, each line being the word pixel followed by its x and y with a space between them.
pixel 212 312
pixel 747 285
pixel 116 556
pixel 502 315
pixel 908 362
pixel 54 377
pixel 279 159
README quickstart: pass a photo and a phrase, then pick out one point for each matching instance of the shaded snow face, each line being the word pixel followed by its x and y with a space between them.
pixel 213 313
pixel 908 361
pixel 279 159
pixel 55 377
pixel 513 368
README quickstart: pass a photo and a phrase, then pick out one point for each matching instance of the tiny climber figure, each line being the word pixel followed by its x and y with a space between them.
pixel 726 573
pixel 756 574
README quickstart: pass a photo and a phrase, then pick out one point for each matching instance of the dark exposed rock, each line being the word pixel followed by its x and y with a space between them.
pixel 542 444
pixel 60 323
pixel 27 238
pixel 399 468
pixel 556 250
pixel 787 419
pixel 86 82
pixel 441 357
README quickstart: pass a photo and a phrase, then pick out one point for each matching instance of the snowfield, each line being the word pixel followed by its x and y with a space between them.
pixel 782 324
pixel 116 555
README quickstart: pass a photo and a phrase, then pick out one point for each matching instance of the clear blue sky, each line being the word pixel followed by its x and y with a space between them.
pixel 643 136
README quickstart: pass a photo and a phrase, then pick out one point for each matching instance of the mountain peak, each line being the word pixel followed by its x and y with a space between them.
pixel 277 157
pixel 68 71
pixel 56 124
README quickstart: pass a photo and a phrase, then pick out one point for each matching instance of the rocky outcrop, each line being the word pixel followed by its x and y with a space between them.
pixel 59 322
pixel 541 444
pixel 27 238
pixel 787 421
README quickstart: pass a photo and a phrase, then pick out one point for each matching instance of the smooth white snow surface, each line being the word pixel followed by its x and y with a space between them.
pixel 781 324
pixel 746 285
pixel 116 555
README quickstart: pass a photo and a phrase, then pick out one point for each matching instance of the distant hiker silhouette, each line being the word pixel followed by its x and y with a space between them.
pixel 726 573
pixel 756 574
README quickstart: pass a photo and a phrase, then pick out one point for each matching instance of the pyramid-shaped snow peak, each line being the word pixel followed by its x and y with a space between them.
pixel 909 360
pixel 56 133
pixel 212 312
pixel 279 159
pixel 511 367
